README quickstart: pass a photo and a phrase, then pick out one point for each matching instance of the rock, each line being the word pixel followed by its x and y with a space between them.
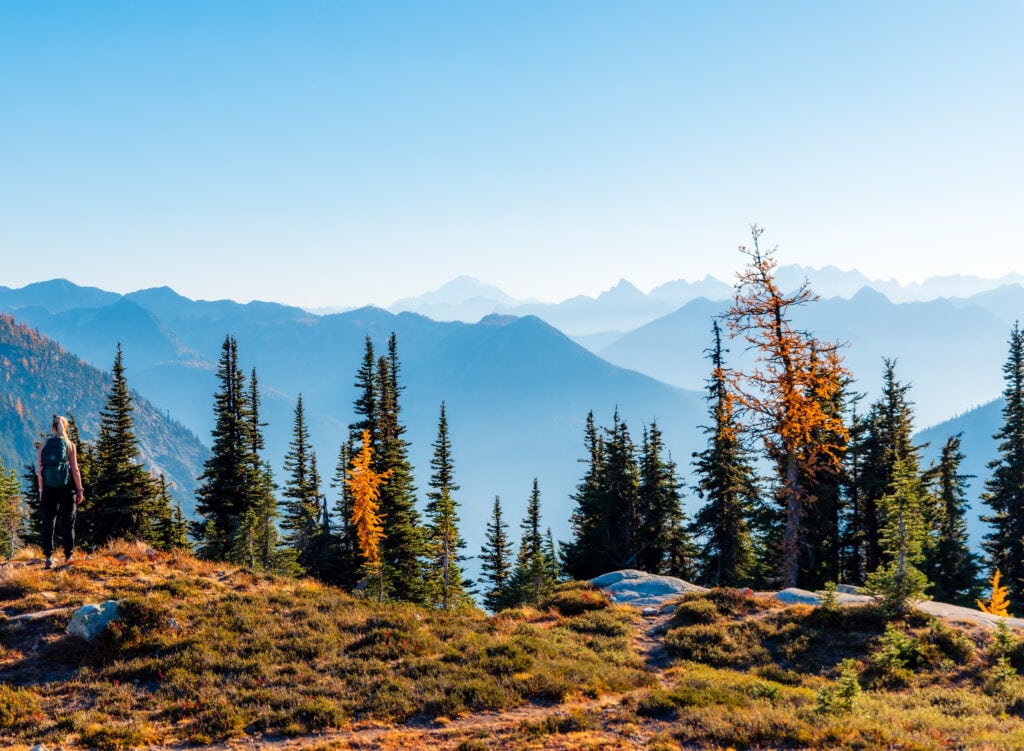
pixel 641 589
pixel 40 747
pixel 650 611
pixel 173 624
pixel 794 596
pixel 89 621
pixel 847 589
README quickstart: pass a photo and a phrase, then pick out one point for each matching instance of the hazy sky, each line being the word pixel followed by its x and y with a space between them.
pixel 347 152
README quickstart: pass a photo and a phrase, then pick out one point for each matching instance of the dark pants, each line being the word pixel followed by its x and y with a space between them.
pixel 58 503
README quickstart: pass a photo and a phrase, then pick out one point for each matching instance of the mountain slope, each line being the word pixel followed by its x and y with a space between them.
pixel 41 378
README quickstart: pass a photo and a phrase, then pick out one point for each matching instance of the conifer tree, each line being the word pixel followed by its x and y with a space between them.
pixel 621 490
pixel 532 578
pixel 589 525
pixel 301 517
pixel 854 535
pixel 404 545
pixel 444 540
pixel 949 563
pixel 366 403
pixel 496 562
pixel 169 528
pixel 1004 489
pixel 888 440
pixel 124 495
pixel 551 557
pixel 13 521
pixel 902 537
pixel 727 484
pixel 793 377
pixel 365 484
pixel 224 493
pixel 663 545
pixel 346 561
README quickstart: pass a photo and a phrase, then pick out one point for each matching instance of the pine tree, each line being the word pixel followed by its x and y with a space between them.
pixel 727 484
pixel 301 518
pixel 365 484
pixel 902 537
pixel 854 535
pixel 496 562
pixel 589 525
pixel 124 495
pixel 949 563
pixel 532 579
pixel 346 561
pixel 793 377
pixel 404 545
pixel 366 403
pixel 443 538
pixel 224 494
pixel 888 440
pixel 663 545
pixel 1004 489
pixel 13 520
pixel 165 530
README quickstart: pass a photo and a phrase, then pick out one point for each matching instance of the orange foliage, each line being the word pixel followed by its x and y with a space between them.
pixel 999 604
pixel 364 483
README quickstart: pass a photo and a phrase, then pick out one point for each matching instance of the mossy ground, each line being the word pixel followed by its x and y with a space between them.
pixel 207 654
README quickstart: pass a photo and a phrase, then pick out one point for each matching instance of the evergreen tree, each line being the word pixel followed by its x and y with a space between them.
pixel 443 538
pixel 727 484
pixel 532 578
pixel 13 521
pixel 366 403
pixel 663 545
pixel 854 525
pixel 123 493
pixel 949 564
pixel 224 494
pixel 888 440
pixel 551 557
pixel 1004 489
pixel 169 531
pixel 404 545
pixel 346 561
pixel 496 562
pixel 30 484
pixel 301 518
pixel 902 537
pixel 589 525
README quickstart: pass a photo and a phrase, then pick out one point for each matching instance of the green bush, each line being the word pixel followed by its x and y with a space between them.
pixel 700 610
pixel 601 623
pixel 19 708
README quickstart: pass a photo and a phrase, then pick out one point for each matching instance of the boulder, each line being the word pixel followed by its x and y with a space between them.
pixel 642 590
pixel 794 596
pixel 89 621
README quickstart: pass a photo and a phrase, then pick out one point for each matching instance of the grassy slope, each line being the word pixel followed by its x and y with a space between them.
pixel 211 654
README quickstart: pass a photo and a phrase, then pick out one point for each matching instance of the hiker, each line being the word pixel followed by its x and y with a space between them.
pixel 60 488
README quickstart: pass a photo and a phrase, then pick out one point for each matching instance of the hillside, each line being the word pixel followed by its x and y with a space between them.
pixel 517 390
pixel 41 378
pixel 206 654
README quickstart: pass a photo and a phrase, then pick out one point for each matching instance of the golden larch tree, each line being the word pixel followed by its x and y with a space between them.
pixel 364 483
pixel 787 391
pixel 999 604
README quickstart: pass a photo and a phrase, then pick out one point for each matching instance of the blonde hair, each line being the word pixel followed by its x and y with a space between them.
pixel 60 425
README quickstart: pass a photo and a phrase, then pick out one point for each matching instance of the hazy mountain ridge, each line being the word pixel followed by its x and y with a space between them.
pixel 517 390
pixel 42 379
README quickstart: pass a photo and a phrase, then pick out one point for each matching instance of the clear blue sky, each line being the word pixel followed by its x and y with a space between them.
pixel 340 153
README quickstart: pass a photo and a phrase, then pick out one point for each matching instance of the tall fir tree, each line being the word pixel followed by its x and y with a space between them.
pixel 404 545
pixel 224 495
pixel 727 484
pixel 888 440
pixel 589 525
pixel 854 564
pixel 496 561
pixel 124 496
pixel 663 544
pixel 347 565
pixel 532 578
pixel 301 520
pixel 170 531
pixel 366 402
pixel 444 541
pixel 1004 489
pixel 950 565
pixel 13 519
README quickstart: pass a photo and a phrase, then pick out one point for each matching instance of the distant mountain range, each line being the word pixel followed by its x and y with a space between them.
pixel 517 390
pixel 41 379
pixel 624 307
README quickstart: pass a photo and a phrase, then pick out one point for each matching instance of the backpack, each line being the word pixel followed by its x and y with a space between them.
pixel 56 468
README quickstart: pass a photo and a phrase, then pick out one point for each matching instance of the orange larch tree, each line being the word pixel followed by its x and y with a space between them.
pixel 364 483
pixel 785 392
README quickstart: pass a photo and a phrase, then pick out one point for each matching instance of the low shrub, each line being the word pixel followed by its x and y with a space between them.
pixel 699 610
pixel 602 623
pixel 19 708
pixel 576 599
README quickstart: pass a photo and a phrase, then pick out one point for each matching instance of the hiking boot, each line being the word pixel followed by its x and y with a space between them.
pixel 49 562
pixel 67 558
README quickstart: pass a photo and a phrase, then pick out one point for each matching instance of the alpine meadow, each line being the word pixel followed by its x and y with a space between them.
pixel 405 376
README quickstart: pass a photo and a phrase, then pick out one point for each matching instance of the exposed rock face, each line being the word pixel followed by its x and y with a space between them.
pixel 89 621
pixel 642 590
